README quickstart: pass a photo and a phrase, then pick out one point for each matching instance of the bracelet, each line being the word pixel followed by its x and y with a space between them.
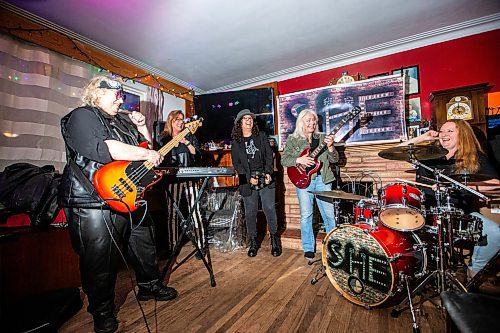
pixel 188 144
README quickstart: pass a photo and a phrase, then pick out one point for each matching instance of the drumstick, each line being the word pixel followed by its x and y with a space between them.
pixel 414 183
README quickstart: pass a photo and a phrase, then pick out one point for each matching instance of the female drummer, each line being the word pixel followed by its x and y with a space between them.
pixel 465 155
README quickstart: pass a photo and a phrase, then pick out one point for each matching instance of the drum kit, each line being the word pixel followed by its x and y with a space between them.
pixel 394 249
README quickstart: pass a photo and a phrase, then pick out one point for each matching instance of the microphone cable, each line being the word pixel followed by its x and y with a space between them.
pixel 132 282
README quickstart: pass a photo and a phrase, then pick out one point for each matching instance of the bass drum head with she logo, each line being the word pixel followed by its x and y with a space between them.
pixel 365 264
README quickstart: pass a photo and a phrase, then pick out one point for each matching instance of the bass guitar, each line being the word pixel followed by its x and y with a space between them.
pixel 300 175
pixel 121 184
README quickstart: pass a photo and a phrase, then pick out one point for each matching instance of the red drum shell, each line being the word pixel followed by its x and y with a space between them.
pixel 365 264
pixel 401 207
pixel 366 210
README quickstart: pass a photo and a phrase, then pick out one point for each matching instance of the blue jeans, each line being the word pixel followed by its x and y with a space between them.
pixel 482 254
pixel 306 203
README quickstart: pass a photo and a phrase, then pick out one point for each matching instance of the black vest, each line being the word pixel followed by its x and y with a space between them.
pixel 76 189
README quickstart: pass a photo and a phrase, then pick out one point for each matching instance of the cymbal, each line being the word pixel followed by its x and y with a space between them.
pixel 420 152
pixel 470 177
pixel 336 194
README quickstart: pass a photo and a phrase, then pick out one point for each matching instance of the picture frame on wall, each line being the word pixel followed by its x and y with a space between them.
pixel 413 131
pixel 377 75
pixel 412 78
pixel 423 130
pixel 133 99
pixel 414 110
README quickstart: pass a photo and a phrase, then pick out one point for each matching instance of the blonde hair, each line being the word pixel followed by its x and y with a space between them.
pixel 299 124
pixel 92 93
pixel 167 129
pixel 468 148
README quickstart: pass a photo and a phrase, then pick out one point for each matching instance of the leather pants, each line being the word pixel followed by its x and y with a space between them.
pixel 90 232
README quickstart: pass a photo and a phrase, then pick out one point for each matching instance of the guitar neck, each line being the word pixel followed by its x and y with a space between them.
pixel 168 147
pixel 320 147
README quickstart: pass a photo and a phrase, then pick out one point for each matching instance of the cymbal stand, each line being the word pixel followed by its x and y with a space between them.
pixel 440 275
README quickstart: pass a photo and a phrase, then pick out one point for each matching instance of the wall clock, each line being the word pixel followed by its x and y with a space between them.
pixel 467 102
pixel 459 107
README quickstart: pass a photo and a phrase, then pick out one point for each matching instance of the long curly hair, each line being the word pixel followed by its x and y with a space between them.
pixel 237 132
pixel 167 129
pixel 468 148
pixel 92 93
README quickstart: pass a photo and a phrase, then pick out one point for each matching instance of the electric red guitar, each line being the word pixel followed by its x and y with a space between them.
pixel 300 175
pixel 122 183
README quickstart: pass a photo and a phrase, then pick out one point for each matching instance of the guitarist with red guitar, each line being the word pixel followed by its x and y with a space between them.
pixel 97 135
pixel 309 155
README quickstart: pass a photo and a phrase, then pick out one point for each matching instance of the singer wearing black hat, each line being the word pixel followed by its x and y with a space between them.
pixel 96 134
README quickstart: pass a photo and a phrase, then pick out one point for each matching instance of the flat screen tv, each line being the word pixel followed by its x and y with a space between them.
pixel 219 111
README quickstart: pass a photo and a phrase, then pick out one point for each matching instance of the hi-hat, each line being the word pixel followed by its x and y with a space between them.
pixel 470 177
pixel 336 194
pixel 420 152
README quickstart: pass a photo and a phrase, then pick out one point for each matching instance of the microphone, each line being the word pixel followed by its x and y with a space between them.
pixel 124 111
pixel 188 120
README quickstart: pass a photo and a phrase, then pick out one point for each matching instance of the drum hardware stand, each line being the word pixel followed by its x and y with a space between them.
pixel 441 274
pixel 320 271
pixel 415 327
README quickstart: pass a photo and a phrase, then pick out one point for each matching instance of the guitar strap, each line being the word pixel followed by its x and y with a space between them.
pixel 84 181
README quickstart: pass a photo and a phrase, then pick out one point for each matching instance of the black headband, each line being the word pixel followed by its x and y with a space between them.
pixel 110 85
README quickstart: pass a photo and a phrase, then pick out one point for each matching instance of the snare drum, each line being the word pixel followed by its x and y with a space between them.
pixel 401 207
pixel 366 264
pixel 366 211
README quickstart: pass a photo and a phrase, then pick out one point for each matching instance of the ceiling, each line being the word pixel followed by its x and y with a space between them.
pixel 220 45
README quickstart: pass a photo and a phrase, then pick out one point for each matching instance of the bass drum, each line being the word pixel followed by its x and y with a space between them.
pixel 366 263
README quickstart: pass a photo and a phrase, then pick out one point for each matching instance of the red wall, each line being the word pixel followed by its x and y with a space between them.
pixel 461 62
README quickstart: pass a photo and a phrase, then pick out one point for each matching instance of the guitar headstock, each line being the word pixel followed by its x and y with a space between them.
pixel 353 113
pixel 193 124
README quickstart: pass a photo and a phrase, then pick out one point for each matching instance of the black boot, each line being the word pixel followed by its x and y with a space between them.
pixel 155 290
pixel 105 322
pixel 254 247
pixel 275 245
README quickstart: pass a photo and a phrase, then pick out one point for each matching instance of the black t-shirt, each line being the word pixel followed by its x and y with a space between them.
pixel 253 154
pixel 179 156
pixel 462 199
pixel 86 134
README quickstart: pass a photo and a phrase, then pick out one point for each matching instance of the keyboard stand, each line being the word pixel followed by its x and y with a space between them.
pixel 187 227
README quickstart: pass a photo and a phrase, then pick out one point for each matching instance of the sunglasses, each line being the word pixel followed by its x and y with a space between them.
pixel 113 85
pixel 121 94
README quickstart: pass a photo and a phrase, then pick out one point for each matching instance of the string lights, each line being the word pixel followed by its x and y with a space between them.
pixel 147 79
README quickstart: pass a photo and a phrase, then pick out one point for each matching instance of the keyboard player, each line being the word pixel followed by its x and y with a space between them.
pixel 182 191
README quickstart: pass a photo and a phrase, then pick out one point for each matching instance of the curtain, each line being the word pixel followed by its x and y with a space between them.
pixel 37 88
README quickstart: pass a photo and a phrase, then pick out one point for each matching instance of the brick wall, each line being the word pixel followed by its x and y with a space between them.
pixel 354 162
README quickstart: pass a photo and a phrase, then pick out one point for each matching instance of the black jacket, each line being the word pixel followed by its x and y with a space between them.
pixel 76 189
pixel 240 161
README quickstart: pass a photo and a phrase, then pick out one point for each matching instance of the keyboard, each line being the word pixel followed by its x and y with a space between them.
pixel 197 171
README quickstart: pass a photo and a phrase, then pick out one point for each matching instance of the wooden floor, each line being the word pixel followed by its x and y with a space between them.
pixel 261 294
